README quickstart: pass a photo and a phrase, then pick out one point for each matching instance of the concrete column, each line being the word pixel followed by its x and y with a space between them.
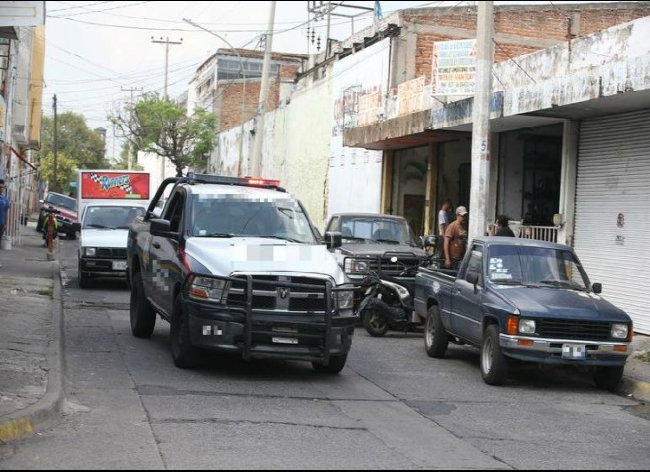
pixel 481 148
pixel 568 181
pixel 387 182
pixel 431 203
pixel 492 207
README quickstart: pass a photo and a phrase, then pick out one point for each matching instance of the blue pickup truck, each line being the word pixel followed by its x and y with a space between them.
pixel 524 300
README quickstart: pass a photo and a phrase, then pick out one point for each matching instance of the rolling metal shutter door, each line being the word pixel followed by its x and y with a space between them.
pixel 614 179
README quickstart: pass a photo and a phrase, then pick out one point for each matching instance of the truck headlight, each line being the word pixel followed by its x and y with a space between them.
pixel 620 331
pixel 207 289
pixel 353 266
pixel 346 299
pixel 90 252
pixel 527 326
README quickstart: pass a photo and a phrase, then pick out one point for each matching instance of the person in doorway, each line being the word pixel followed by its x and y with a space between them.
pixel 443 218
pixel 503 227
pixel 456 239
pixel 4 208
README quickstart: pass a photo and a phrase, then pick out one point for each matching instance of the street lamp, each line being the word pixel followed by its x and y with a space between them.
pixel 243 74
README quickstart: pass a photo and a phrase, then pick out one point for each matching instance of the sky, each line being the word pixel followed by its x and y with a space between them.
pixel 96 49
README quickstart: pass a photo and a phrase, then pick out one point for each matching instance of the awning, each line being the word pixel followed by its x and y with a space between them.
pixel 22 158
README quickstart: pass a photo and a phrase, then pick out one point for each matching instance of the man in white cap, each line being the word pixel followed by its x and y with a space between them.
pixel 456 239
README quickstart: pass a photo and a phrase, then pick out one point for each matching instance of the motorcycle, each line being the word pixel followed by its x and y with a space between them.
pixel 387 303
pixel 50 212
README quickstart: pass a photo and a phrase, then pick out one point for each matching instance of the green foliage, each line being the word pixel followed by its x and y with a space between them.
pixel 66 169
pixel 76 141
pixel 162 127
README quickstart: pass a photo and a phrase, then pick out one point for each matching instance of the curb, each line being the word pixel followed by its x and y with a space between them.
pixel 25 423
pixel 637 388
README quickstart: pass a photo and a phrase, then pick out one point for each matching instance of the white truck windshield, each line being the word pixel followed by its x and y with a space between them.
pixel 235 216
pixel 111 217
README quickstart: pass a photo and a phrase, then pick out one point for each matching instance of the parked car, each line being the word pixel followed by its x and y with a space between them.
pixel 524 300
pixel 66 208
pixel 235 266
pixel 104 232
pixel 372 242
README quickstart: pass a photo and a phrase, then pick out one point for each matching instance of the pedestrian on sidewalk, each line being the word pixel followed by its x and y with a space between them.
pixel 4 208
pixel 503 227
pixel 456 239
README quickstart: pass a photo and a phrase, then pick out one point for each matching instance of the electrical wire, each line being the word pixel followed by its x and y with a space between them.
pixel 90 11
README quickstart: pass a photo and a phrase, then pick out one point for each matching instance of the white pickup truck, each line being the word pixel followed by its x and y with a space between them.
pixel 104 232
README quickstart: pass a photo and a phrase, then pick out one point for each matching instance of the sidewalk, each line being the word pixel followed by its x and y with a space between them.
pixel 31 378
pixel 637 371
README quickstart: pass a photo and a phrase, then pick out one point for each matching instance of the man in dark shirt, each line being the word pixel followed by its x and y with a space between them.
pixel 503 228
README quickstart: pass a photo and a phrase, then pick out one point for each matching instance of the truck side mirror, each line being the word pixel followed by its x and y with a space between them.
pixel 162 229
pixel 333 240
pixel 473 278
pixel 597 288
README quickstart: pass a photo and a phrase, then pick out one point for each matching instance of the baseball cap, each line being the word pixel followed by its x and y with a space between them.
pixel 462 211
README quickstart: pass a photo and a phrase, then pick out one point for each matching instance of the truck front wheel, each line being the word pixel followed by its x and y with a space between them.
pixel 608 378
pixel 436 339
pixel 143 315
pixel 494 365
pixel 185 355
pixel 336 365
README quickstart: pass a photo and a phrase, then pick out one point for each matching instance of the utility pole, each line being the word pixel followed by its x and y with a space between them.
pixel 242 70
pixel 56 157
pixel 261 112
pixel 167 44
pixel 480 192
pixel 329 29
pixel 131 153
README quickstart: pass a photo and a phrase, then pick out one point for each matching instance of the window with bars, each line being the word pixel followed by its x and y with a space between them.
pixel 230 69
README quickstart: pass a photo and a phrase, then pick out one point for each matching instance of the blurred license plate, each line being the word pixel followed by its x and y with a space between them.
pixel 285 341
pixel 574 351
pixel 119 266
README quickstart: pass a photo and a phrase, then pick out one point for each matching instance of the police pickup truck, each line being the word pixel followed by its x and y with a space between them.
pixel 525 300
pixel 235 265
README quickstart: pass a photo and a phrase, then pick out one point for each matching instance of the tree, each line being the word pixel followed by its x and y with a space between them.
pixel 76 141
pixel 123 164
pixel 161 126
pixel 66 169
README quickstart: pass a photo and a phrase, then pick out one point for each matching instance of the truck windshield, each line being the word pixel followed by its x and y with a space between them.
pixel 238 216
pixel 61 201
pixel 546 267
pixel 111 217
pixel 373 230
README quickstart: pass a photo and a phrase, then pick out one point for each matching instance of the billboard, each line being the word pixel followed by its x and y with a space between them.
pixel 114 186
pixel 23 13
pixel 454 67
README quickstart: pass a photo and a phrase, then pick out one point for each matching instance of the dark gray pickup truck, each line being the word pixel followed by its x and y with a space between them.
pixel 524 300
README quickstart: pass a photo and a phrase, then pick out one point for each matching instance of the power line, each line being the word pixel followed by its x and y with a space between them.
pixel 80 6
pixel 514 60
pixel 90 11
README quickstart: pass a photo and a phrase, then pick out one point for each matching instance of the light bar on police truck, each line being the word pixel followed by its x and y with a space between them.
pixel 263 182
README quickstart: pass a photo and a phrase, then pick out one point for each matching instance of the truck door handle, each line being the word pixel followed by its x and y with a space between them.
pixel 156 245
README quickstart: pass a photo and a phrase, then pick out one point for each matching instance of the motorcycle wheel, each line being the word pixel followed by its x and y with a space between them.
pixel 374 325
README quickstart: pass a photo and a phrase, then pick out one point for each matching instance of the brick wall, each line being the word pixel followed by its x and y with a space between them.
pixel 527 23
pixel 230 95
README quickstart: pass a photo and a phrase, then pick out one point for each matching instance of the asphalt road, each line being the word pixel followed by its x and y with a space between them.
pixel 391 408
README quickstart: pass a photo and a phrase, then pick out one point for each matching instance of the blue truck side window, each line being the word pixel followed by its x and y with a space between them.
pixel 475 265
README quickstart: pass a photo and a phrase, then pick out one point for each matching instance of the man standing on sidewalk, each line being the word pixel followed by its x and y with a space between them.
pixel 456 239
pixel 4 208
